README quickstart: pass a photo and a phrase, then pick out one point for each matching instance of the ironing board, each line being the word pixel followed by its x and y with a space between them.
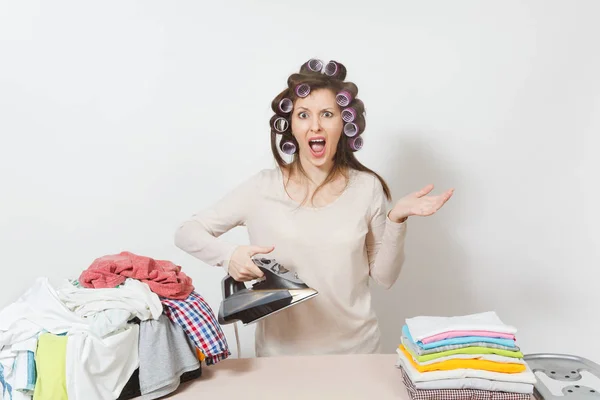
pixel 372 376
pixel 369 376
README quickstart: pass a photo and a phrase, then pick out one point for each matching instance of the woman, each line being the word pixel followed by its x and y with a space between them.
pixel 322 215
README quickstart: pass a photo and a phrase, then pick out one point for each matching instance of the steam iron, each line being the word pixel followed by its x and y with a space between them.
pixel 279 289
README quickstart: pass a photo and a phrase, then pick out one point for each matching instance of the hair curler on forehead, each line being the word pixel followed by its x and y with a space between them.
pixel 302 90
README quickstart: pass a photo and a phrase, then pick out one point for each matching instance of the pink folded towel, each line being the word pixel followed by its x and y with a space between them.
pixel 453 334
pixel 163 277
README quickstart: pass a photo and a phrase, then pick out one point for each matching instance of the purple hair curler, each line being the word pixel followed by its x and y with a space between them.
pixel 315 65
pixel 343 98
pixel 350 129
pixel 281 124
pixel 348 114
pixel 356 143
pixel 331 68
pixel 286 105
pixel 288 147
pixel 302 90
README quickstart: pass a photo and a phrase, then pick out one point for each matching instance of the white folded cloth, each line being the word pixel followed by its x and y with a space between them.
pixel 472 383
pixel 415 376
pixel 422 327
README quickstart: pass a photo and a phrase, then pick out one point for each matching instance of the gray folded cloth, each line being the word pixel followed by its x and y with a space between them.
pixel 165 354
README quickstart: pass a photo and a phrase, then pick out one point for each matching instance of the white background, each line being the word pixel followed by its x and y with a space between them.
pixel 120 119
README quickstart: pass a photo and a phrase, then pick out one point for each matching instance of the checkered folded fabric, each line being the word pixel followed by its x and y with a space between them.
pixel 198 321
pixel 457 394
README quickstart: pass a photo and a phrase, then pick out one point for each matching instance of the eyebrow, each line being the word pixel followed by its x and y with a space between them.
pixel 325 109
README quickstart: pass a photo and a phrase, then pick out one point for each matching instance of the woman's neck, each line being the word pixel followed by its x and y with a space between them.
pixel 316 175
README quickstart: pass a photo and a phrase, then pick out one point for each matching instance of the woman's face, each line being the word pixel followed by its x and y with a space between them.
pixel 317 126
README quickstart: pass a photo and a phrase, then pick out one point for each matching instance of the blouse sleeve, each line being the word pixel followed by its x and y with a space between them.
pixel 199 236
pixel 385 241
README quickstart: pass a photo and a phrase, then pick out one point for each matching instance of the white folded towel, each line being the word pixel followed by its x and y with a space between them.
pixel 422 327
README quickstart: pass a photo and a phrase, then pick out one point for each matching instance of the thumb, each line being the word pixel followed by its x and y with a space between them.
pixel 260 250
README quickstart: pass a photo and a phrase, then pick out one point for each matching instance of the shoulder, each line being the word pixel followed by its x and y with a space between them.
pixel 268 175
pixel 370 190
pixel 264 178
pixel 367 182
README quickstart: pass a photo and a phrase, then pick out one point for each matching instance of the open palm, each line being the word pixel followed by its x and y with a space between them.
pixel 418 203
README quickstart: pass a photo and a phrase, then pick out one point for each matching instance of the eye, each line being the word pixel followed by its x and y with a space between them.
pixel 328 114
pixel 302 115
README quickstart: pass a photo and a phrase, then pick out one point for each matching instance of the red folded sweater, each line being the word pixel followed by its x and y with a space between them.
pixel 163 277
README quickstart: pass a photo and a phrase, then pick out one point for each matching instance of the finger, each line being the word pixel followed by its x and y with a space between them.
pixel 244 278
pixel 253 271
pixel 238 277
pixel 445 197
pixel 260 250
pixel 424 191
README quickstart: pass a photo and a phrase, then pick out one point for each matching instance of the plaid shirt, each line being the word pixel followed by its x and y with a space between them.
pixel 458 394
pixel 198 321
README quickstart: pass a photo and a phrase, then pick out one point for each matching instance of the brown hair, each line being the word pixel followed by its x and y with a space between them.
pixel 344 158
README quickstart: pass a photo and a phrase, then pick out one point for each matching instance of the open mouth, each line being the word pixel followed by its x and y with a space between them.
pixel 317 146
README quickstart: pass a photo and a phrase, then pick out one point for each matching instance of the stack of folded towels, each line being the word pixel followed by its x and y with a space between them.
pixel 463 357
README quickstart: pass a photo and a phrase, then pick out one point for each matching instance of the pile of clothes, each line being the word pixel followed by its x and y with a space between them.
pixel 463 357
pixel 128 325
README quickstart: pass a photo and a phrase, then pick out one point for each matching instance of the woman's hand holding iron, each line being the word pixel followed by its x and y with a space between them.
pixel 241 266
pixel 419 204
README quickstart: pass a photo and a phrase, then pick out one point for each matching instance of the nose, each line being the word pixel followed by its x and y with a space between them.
pixel 315 124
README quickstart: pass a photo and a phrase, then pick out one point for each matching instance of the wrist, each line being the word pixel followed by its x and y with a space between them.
pixel 397 218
